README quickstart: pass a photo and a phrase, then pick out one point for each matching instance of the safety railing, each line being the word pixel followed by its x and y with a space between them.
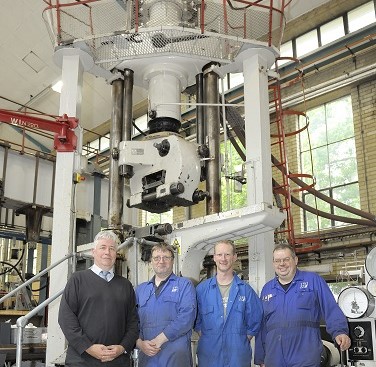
pixel 23 320
pixel 35 277
pixel 114 31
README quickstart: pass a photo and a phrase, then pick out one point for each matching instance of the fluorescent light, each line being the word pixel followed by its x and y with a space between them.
pixel 57 86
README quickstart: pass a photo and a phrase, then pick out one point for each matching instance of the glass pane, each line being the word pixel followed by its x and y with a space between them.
pixel 156 218
pixel 317 126
pixel 332 31
pixel 339 119
pixel 315 222
pixel 306 162
pixel 321 167
pixel 224 84
pixel 303 136
pixel 343 168
pixel 306 43
pixel 104 144
pixel 142 124
pixel 349 195
pixel 361 16
pixel 95 144
pixel 234 167
pixel 285 51
pixel 236 79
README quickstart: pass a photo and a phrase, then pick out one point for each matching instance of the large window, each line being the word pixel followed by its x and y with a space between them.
pixel 307 43
pixel 357 18
pixel 331 31
pixel 361 16
pixel 233 188
pixel 327 150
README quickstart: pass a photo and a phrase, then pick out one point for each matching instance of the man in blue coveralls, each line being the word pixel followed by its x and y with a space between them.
pixel 229 314
pixel 294 302
pixel 167 310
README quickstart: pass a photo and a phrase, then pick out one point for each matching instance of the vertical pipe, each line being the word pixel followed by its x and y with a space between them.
pixel 36 177
pixel 96 219
pixel 126 170
pixel 200 132
pixel 5 162
pixel 53 183
pixel 115 187
pixel 20 330
pixel 43 279
pixel 211 90
pixel 128 103
pixel 30 258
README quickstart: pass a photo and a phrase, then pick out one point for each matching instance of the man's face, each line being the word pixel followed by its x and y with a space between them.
pixel 105 253
pixel 224 257
pixel 162 262
pixel 284 264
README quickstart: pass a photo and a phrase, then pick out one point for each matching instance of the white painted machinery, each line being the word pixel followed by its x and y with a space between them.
pixel 166 172
pixel 165 46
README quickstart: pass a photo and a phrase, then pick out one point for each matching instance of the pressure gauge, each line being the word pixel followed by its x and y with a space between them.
pixel 356 302
pixel 371 287
pixel 371 263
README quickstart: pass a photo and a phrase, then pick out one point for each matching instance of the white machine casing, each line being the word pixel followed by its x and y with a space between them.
pixel 165 180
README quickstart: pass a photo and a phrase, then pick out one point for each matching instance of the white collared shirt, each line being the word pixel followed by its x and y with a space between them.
pixel 96 269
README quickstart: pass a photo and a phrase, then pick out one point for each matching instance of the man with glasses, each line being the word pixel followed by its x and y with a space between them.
pixel 229 314
pixel 167 310
pixel 294 303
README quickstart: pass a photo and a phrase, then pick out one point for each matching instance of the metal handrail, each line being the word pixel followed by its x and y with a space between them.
pixel 23 285
pixel 23 320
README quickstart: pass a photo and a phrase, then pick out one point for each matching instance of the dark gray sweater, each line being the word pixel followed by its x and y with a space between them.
pixel 93 311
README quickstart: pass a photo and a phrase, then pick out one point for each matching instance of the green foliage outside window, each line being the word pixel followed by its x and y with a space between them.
pixel 230 198
pixel 327 150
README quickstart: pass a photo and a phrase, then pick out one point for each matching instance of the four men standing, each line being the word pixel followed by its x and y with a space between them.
pixel 100 321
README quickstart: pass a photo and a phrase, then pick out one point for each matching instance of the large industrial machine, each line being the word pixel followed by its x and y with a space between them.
pixel 166 46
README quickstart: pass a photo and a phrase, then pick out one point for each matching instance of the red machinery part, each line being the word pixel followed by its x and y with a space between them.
pixel 65 140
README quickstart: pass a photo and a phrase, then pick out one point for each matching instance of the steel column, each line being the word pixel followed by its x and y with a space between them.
pixel 211 93
pixel 115 203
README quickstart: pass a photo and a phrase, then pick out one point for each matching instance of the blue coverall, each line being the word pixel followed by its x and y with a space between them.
pixel 290 333
pixel 223 341
pixel 173 312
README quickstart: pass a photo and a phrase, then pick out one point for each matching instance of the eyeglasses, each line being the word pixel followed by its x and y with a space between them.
pixel 282 261
pixel 159 258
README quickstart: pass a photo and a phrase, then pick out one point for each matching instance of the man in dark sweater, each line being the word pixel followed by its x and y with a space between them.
pixel 98 311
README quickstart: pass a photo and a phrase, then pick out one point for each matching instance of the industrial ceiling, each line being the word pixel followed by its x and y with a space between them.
pixel 27 69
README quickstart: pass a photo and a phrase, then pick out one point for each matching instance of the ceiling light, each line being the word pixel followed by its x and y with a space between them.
pixel 57 86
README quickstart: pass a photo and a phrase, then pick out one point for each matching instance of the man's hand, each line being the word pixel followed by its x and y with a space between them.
pixel 96 350
pixel 343 341
pixel 148 347
pixel 111 352
pixel 159 340
pixel 105 353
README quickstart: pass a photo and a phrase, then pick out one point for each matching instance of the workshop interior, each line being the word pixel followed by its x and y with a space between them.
pixel 185 122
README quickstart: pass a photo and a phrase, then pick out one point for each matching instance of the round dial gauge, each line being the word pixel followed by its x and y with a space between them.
pixel 371 287
pixel 371 263
pixel 356 302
